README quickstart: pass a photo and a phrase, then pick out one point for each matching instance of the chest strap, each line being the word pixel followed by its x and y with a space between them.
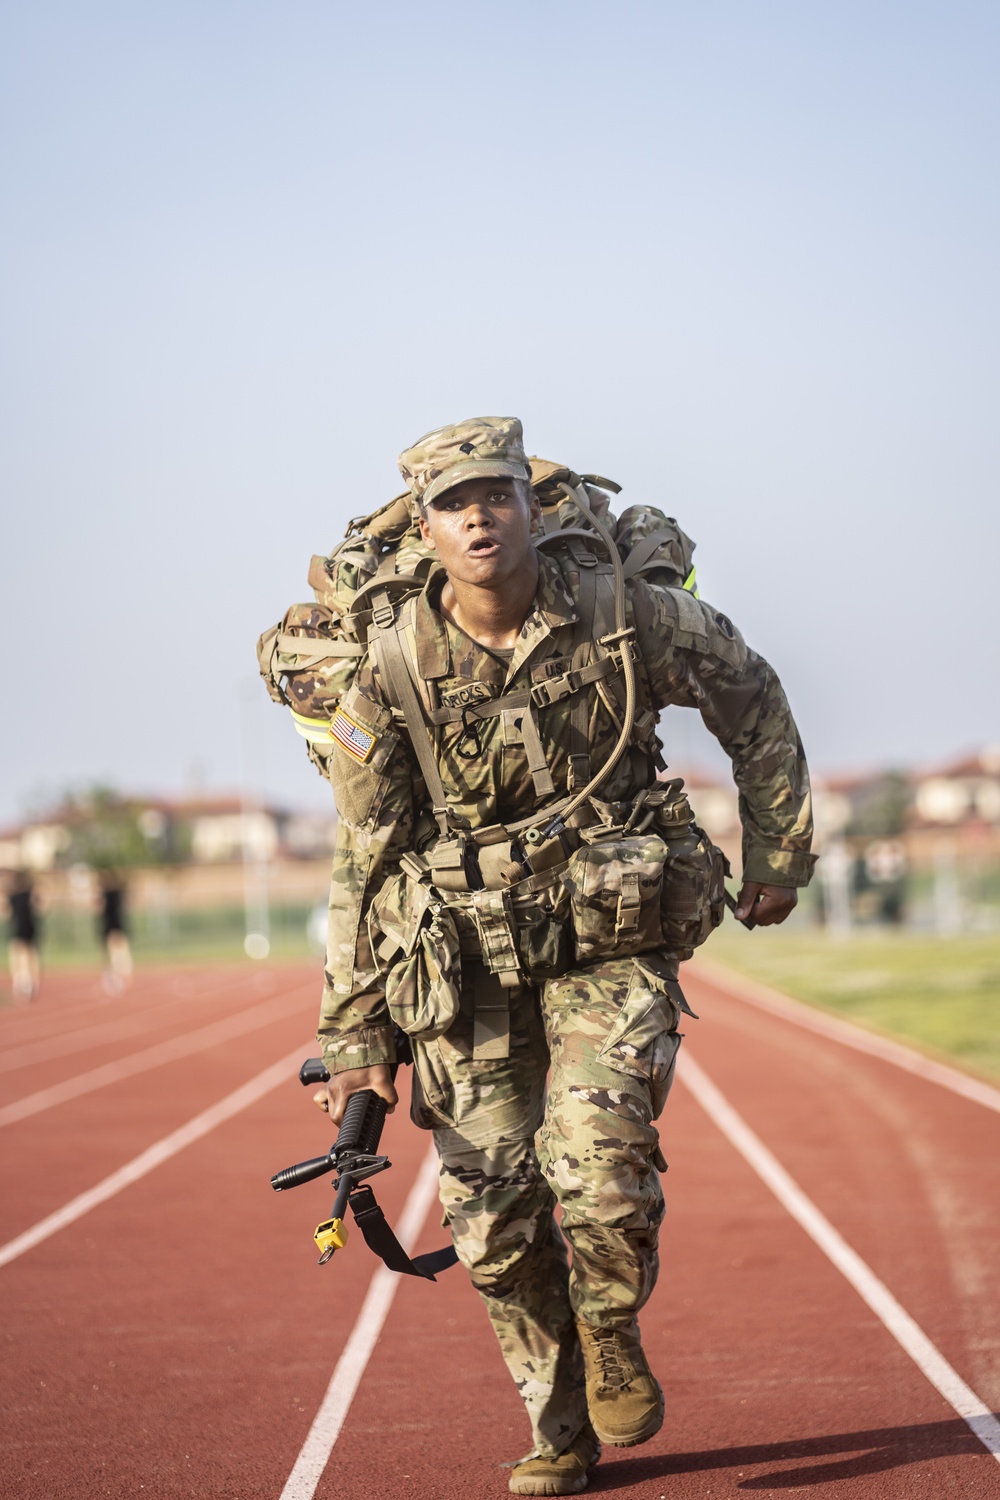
pixel 526 725
pixel 539 695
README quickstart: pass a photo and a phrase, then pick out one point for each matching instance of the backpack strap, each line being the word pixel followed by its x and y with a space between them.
pixel 557 536
pixel 311 649
pixel 379 590
pixel 643 551
pixel 398 669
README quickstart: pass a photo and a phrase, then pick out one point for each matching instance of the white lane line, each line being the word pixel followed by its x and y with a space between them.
pixel 848 1033
pixel 154 1156
pixel 118 1030
pixel 907 1333
pixel 346 1378
pixel 150 1057
pixel 47 1020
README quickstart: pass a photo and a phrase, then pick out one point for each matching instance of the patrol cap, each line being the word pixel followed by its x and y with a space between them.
pixel 479 448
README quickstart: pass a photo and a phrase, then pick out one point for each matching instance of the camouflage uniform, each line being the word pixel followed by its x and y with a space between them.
pixel 604 1031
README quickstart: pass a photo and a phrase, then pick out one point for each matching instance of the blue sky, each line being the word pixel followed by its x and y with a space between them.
pixel 742 258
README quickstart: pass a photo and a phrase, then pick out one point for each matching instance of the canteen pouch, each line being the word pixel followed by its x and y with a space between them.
pixel 615 896
pixel 694 890
pixel 415 943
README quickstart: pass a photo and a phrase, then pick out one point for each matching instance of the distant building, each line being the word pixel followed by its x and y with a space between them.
pixel 199 830
pixel 834 802
pixel 956 812
pixel 963 791
pixel 33 846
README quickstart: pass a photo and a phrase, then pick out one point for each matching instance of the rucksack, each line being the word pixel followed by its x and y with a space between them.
pixel 308 660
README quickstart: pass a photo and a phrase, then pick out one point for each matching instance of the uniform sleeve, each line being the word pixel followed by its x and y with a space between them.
pixel 373 787
pixel 696 658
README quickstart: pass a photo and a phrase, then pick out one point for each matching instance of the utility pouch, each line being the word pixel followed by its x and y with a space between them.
pixel 544 935
pixel 415 943
pixel 493 914
pixel 615 896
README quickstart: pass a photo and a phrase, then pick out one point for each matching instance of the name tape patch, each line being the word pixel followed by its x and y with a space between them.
pixel 469 692
pixel 352 736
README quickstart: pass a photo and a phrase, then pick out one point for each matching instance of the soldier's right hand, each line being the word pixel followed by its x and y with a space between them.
pixel 333 1096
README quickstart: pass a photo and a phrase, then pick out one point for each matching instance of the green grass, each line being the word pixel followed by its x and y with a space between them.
pixel 940 993
pixel 69 939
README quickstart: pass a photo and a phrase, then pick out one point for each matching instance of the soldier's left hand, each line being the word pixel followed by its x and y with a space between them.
pixel 765 904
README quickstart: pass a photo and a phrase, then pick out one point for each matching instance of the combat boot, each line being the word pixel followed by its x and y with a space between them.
pixel 624 1400
pixel 565 1475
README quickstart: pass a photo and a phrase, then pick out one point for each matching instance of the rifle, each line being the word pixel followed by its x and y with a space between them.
pixel 747 922
pixel 353 1157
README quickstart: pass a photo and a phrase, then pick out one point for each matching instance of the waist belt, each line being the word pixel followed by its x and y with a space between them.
pixel 486 916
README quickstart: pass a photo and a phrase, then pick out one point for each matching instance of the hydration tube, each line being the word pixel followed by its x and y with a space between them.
pixel 622 636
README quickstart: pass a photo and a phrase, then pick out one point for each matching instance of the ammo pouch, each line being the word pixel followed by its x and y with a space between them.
pixel 415 942
pixel 615 890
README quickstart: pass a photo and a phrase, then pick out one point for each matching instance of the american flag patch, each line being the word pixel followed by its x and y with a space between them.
pixel 350 736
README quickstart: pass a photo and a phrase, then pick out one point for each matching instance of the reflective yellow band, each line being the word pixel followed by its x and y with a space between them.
pixel 315 730
pixel 690 584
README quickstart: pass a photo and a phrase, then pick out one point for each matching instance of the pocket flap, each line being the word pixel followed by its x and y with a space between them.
pixel 650 1010
pixel 396 916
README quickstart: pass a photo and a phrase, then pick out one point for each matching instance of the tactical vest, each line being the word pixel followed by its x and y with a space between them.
pixel 580 880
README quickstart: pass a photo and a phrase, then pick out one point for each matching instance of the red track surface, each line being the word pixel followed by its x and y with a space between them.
pixel 178 1339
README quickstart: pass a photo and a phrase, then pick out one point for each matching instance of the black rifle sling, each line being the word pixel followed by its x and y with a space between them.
pixel 380 1238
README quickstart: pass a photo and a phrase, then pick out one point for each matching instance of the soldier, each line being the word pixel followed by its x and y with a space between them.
pixel 515 886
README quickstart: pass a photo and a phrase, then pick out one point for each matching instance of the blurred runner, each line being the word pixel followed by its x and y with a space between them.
pixel 22 942
pixel 113 934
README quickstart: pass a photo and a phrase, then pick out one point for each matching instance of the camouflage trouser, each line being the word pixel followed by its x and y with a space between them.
pixel 511 1150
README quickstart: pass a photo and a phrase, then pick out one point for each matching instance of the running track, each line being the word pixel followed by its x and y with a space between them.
pixel 171 1335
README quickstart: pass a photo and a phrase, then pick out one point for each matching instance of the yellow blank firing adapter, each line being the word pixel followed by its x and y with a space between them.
pixel 331 1235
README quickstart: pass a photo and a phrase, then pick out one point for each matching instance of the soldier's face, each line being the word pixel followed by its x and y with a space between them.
pixel 481 529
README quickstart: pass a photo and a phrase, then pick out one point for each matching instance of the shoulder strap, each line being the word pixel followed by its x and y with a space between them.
pixel 311 649
pixel 643 551
pixel 396 665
